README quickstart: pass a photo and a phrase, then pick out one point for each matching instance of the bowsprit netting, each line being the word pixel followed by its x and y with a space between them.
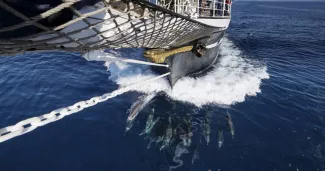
pixel 107 24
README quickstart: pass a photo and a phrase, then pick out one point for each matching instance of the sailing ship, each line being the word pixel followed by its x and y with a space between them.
pixel 184 34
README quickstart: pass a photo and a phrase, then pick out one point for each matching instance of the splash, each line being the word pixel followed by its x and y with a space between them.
pixel 232 79
pixel 178 153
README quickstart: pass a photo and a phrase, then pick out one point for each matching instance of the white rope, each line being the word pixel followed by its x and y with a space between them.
pixel 31 124
pixel 99 55
pixel 138 62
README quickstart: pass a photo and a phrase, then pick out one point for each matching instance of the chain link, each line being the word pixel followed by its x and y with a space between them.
pixel 31 124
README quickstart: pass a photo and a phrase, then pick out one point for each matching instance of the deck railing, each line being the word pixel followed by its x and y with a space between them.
pixel 197 8
pixel 214 8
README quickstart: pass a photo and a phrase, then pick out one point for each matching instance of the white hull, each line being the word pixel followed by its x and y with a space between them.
pixel 222 22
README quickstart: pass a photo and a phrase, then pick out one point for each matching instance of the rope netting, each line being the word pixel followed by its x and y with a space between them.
pixel 106 24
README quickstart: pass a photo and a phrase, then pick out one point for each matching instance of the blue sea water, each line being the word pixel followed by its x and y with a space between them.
pixel 269 77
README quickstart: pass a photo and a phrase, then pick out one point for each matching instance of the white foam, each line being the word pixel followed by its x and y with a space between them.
pixel 233 78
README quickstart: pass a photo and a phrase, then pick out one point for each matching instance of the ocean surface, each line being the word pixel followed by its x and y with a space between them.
pixel 269 77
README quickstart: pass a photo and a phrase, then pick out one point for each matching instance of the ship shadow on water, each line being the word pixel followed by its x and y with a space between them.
pixel 177 130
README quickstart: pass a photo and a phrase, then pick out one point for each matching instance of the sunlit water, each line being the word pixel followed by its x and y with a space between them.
pixel 269 77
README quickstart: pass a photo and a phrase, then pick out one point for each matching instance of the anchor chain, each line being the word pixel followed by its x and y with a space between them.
pixel 31 124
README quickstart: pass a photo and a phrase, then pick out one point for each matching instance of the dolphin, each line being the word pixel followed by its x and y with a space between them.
pixel 231 125
pixel 150 122
pixel 139 105
pixel 168 135
pixel 195 156
pixel 220 138
pixel 187 140
pixel 207 130
pixel 129 124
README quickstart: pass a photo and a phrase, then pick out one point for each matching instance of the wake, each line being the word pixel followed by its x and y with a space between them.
pixel 232 78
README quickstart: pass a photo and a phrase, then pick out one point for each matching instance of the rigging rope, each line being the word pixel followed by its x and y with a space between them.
pixel 31 124
pixel 107 24
pixel 99 55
